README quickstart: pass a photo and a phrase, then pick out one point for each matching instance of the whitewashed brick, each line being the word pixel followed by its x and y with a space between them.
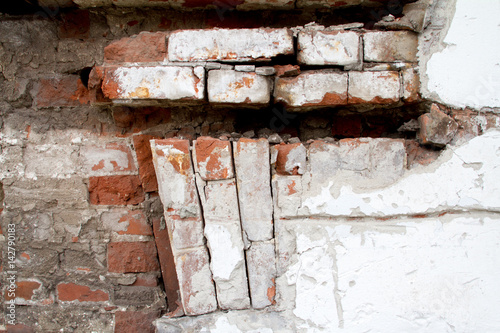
pixel 229 44
pixel 224 240
pixel 154 82
pixel 328 47
pixel 251 159
pixel 195 282
pixel 389 46
pixel 213 158
pixel 261 262
pixel 411 85
pixel 374 87
pixel 287 195
pixel 228 86
pixel 312 89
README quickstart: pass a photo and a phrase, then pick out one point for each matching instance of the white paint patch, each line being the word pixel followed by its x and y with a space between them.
pixel 467 180
pixel 467 71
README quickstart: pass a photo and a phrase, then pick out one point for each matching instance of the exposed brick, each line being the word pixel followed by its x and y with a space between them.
pixel 144 47
pixel 213 158
pixel 111 158
pixel 154 82
pixel 135 321
pixel 115 190
pixel 436 127
pixel 61 91
pixel 336 47
pixel 374 87
pixel 228 86
pixel 419 155
pixel 287 70
pixel 312 89
pixel 167 264
pixel 24 290
pixel 132 257
pixel 75 24
pixel 127 222
pixel 145 280
pixel 68 292
pixel 411 85
pixel 251 158
pixel 389 46
pixel 145 159
pixel 123 116
pixel 229 44
pixel 291 159
pixel 262 273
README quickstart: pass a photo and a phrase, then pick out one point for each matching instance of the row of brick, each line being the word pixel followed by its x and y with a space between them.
pixel 231 208
pixel 213 4
pixel 311 89
pixel 330 46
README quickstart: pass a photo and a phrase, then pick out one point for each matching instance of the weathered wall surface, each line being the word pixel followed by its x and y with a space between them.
pixel 310 212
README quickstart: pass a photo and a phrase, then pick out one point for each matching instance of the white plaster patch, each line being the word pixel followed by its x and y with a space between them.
pixel 465 178
pixel 467 71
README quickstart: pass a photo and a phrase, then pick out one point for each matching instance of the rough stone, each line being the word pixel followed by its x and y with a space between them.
pixel 227 86
pixel 229 44
pixel 251 160
pixel 390 46
pixel 312 89
pixel 287 70
pixel 328 48
pixel 154 82
pixel 436 127
pixel 374 87
pixel 262 274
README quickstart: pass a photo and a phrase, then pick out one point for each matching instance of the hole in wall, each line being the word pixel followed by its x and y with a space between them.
pixel 84 76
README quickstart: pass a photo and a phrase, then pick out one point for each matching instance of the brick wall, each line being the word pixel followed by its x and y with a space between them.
pixel 251 114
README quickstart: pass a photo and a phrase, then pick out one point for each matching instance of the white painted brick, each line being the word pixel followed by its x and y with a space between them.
pixel 411 85
pixel 261 263
pixel 213 158
pixel 374 87
pixel 312 89
pixel 227 86
pixel 287 195
pixel 195 281
pixel 251 159
pixel 224 240
pixel 155 82
pixel 229 44
pixel 328 47
pixel 389 46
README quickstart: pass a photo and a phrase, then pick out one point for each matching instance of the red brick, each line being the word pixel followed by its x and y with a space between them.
pixel 135 321
pixel 167 264
pixel 24 290
pixel 145 160
pixel 19 328
pixel 63 91
pixel 127 222
pixel 75 24
pixel 287 70
pixel 145 47
pixel 347 126
pixel 115 190
pixel 132 257
pixel 68 292
pixel 417 154
pixel 123 116
pixel 288 163
pixel 213 158
pixel 436 127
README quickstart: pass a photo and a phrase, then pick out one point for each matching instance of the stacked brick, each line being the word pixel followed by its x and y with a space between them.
pixel 230 207
pixel 213 4
pixel 358 67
